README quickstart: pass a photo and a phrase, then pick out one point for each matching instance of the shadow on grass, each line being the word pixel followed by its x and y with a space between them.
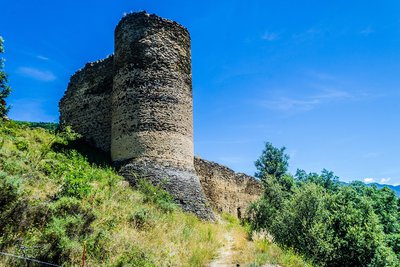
pixel 94 155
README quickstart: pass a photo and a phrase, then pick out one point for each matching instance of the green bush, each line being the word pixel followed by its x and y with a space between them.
pixel 12 206
pixel 331 224
pixel 135 258
pixel 21 144
pixel 69 221
pixel 60 239
pixel 384 257
pixel 141 218
pixel 10 191
pixel 301 222
pixel 156 195
pixel 75 185
pixel 77 177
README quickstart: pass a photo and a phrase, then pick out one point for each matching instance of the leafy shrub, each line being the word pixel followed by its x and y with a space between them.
pixel 141 218
pixel 135 258
pixel 301 222
pixel 10 191
pixel 77 177
pixel 21 144
pixel 264 210
pixel 384 257
pixel 60 239
pixel 70 220
pixel 11 206
pixel 75 186
pixel 330 223
pixel 156 195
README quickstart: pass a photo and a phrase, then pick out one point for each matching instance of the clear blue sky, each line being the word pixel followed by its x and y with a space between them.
pixel 319 77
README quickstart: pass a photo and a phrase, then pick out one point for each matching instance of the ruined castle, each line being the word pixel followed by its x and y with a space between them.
pixel 137 106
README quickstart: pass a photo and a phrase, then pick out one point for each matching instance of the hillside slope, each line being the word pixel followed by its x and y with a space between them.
pixel 57 194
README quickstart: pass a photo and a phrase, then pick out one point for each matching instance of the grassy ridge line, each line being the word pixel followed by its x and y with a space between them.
pixel 45 125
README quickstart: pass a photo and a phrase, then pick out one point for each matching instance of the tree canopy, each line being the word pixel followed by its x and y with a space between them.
pixel 331 223
pixel 273 161
pixel 4 88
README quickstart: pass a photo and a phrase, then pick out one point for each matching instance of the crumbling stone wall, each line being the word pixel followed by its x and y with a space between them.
pixel 226 190
pixel 86 105
pixel 137 105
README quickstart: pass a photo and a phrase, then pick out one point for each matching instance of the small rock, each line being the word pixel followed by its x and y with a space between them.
pixel 123 184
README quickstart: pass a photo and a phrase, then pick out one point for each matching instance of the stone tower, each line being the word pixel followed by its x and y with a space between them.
pixel 152 111
pixel 137 106
pixel 152 93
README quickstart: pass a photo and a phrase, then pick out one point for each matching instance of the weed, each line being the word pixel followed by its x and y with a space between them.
pixel 156 195
pixel 141 218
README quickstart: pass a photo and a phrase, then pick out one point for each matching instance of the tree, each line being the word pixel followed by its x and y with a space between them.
pixel 273 161
pixel 331 223
pixel 302 223
pixel 4 88
pixel 271 170
pixel 359 236
pixel 332 228
pixel 326 179
pixel 264 210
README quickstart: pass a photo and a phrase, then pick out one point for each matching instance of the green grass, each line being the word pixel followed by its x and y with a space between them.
pixel 57 193
pixel 261 249
pixel 45 125
pixel 53 199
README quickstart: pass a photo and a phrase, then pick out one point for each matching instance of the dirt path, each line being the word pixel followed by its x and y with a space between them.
pixel 225 253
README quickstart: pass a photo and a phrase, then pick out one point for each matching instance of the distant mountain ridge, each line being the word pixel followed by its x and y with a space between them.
pixel 395 188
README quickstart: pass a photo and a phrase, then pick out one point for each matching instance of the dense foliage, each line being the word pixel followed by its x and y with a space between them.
pixel 332 224
pixel 4 88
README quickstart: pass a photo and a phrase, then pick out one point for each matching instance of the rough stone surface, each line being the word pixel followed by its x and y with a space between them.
pixel 152 119
pixel 152 95
pixel 226 190
pixel 184 185
pixel 86 105
pixel 137 105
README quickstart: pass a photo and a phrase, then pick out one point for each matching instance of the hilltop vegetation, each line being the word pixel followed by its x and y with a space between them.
pixel 56 194
pixel 4 88
pixel 53 200
pixel 331 223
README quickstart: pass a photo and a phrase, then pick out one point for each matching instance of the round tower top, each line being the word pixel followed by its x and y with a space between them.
pixel 143 19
